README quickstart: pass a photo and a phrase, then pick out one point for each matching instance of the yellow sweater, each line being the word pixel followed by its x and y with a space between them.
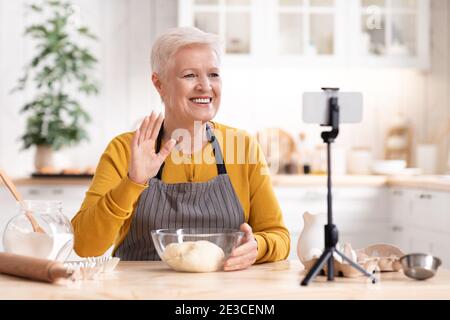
pixel 106 213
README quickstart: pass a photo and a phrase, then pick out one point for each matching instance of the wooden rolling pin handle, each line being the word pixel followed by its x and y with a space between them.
pixel 12 188
pixel 32 268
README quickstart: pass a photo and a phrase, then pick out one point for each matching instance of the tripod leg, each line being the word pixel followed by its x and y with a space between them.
pixel 357 266
pixel 326 255
pixel 330 273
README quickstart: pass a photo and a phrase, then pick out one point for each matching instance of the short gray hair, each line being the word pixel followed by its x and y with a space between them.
pixel 168 43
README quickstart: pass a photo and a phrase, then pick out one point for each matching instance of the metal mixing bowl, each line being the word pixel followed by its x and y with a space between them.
pixel 420 266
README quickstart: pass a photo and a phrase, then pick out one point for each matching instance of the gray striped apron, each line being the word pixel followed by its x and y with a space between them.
pixel 206 205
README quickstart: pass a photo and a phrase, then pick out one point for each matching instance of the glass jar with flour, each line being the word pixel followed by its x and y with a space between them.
pixel 40 230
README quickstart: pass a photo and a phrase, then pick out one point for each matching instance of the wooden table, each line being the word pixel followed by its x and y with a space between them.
pixel 154 280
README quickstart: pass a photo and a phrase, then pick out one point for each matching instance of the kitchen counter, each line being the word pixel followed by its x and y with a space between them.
pixel 154 280
pixel 278 180
pixel 435 182
pixel 321 180
pixel 51 181
pixel 438 183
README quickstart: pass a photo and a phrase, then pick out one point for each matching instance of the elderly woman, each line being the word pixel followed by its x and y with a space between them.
pixel 143 183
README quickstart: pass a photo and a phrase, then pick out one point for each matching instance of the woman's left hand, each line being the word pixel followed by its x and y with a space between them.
pixel 245 254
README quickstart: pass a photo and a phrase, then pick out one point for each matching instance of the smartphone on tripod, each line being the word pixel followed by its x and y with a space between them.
pixel 316 107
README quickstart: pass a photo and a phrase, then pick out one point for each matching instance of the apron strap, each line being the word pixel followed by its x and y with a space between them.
pixel 158 147
pixel 220 163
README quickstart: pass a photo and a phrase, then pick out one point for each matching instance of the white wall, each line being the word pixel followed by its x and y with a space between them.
pixel 11 57
pixel 437 107
pixel 126 29
pixel 253 97
pixel 273 98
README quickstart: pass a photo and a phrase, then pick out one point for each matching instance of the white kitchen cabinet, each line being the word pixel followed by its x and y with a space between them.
pixel 400 206
pixel 429 224
pixel 424 241
pixel 420 221
pixel 231 20
pixel 439 247
pixel 391 33
pixel 387 33
pixel 361 214
pixel 430 211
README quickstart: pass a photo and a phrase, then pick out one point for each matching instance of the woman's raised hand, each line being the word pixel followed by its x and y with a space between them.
pixel 145 162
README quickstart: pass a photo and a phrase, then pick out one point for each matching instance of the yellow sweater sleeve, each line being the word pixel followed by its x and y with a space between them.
pixel 108 203
pixel 265 215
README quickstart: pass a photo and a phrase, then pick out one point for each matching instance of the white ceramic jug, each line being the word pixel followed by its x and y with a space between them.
pixel 311 241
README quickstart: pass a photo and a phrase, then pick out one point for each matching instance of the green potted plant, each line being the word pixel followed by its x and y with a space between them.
pixel 61 67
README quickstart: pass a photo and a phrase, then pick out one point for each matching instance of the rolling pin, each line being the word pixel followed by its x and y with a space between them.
pixel 32 268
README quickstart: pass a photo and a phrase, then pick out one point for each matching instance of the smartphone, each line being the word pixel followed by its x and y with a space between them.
pixel 315 107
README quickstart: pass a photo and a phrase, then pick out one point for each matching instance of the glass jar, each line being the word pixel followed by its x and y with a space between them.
pixel 319 163
pixel 40 230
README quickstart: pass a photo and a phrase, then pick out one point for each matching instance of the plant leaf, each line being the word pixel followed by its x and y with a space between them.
pixel 54 117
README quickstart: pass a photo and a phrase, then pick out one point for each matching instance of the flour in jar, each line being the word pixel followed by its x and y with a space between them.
pixel 196 256
pixel 35 244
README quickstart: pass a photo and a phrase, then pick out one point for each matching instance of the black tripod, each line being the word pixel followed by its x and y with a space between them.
pixel 331 231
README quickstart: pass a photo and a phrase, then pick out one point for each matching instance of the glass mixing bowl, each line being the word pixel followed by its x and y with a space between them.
pixel 51 237
pixel 196 250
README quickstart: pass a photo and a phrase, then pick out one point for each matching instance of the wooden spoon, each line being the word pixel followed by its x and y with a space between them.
pixel 11 187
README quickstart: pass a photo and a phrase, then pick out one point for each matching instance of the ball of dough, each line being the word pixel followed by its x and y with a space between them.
pixel 196 256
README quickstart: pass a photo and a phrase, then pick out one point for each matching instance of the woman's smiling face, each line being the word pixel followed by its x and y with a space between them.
pixel 191 85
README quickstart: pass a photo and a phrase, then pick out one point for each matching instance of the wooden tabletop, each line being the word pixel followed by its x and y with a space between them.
pixel 154 280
